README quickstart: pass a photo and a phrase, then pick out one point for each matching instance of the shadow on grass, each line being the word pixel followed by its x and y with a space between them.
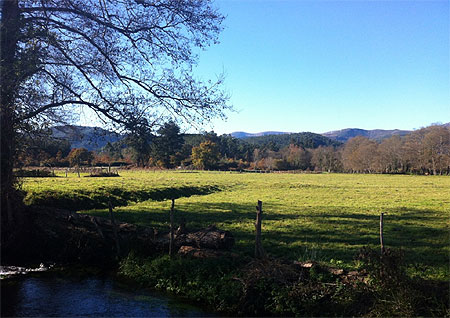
pixel 330 233
pixel 96 199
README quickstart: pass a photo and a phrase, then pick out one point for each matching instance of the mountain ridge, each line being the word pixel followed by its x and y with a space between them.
pixel 93 138
pixel 243 134
pixel 344 135
pixel 341 135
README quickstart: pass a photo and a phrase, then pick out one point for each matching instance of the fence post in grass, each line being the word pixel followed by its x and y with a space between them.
pixel 66 173
pixel 171 228
pixel 381 232
pixel 113 224
pixel 259 251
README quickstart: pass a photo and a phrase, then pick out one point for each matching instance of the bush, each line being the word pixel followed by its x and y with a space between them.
pixel 207 280
pixel 280 288
pixel 397 294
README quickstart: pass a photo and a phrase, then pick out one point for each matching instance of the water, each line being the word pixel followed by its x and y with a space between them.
pixel 85 297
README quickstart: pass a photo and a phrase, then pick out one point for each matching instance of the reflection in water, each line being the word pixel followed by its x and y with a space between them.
pixel 91 297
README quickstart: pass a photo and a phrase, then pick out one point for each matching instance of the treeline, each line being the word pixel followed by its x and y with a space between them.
pixel 425 151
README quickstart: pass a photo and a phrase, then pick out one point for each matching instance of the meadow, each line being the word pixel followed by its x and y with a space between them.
pixel 322 217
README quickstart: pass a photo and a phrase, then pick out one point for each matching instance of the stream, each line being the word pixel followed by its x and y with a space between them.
pixel 53 296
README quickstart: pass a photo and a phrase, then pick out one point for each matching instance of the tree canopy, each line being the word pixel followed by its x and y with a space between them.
pixel 129 61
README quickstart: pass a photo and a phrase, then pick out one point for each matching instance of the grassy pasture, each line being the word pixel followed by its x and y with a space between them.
pixel 325 217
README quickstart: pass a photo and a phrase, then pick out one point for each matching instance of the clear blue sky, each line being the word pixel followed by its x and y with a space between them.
pixel 320 66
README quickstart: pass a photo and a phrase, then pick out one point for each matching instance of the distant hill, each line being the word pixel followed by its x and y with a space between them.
pixel 339 135
pixel 94 138
pixel 91 138
pixel 242 134
pixel 375 134
pixel 304 139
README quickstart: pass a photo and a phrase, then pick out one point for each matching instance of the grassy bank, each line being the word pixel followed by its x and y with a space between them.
pixel 276 287
pixel 324 217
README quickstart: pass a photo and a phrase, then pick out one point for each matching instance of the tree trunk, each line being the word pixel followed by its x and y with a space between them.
pixel 8 77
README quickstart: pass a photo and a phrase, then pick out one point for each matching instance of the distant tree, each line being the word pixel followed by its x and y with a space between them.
pixel 296 157
pixel 79 157
pixel 109 153
pixel 436 143
pixel 206 155
pixel 391 157
pixel 167 145
pixel 39 148
pixel 112 150
pixel 139 143
pixel 326 159
pixel 359 155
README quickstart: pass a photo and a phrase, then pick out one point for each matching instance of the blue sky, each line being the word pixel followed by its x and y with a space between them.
pixel 320 66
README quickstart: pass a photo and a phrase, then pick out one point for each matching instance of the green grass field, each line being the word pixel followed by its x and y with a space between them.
pixel 324 217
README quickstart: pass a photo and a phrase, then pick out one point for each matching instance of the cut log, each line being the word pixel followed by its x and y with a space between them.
pixel 211 237
pixel 199 252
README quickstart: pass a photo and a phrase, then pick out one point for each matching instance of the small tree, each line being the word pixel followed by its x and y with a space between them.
pixel 206 155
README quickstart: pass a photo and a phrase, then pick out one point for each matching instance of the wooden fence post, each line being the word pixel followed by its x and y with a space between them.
pixel 171 228
pixel 113 223
pixel 259 251
pixel 381 233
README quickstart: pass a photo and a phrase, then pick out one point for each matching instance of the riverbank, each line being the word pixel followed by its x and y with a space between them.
pixel 277 287
pixel 238 285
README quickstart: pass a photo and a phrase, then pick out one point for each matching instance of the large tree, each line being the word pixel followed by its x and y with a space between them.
pixel 129 61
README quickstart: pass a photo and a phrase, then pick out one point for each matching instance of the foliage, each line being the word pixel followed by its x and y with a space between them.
pixel 206 155
pixel 425 151
pixel 326 159
pixel 249 287
pixel 305 140
pixel 39 149
pixel 139 144
pixel 168 145
pixel 208 281
pixel 397 294
pixel 129 62
pixel 80 156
